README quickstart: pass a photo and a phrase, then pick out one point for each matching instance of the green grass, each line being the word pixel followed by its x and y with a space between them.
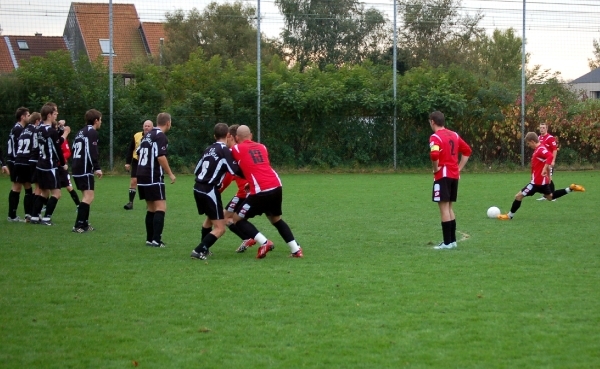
pixel 371 292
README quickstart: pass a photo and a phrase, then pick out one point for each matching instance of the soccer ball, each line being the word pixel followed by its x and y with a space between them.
pixel 493 212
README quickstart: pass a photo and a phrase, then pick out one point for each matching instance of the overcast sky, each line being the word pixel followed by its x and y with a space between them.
pixel 559 33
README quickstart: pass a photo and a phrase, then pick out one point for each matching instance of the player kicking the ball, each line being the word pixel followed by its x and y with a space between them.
pixel 540 177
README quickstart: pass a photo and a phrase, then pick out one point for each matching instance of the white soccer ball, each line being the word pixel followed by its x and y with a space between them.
pixel 493 212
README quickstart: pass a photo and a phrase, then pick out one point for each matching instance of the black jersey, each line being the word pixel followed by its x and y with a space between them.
pixel 153 145
pixel 26 145
pixel 50 154
pixel 214 163
pixel 35 151
pixel 85 152
pixel 13 136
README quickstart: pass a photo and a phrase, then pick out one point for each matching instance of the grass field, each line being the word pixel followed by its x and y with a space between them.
pixel 370 292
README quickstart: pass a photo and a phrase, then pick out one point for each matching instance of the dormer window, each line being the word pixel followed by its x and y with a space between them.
pixel 105 46
pixel 22 45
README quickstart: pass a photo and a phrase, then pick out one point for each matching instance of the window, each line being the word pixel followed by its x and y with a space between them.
pixel 104 45
pixel 596 94
pixel 22 45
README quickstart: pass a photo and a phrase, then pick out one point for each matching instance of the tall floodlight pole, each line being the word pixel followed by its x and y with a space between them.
pixel 394 65
pixel 110 79
pixel 258 70
pixel 523 93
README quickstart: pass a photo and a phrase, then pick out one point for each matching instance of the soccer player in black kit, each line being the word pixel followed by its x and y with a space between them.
pixel 152 164
pixel 27 149
pixel 50 157
pixel 210 171
pixel 85 166
pixel 22 116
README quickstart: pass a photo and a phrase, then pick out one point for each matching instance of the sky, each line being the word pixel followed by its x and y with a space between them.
pixel 559 33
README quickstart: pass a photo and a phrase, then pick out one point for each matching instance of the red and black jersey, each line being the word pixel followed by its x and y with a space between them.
pixel 549 141
pixel 444 146
pixel 541 156
pixel 239 181
pixel 253 159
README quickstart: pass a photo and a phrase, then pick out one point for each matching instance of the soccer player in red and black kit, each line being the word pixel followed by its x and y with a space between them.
pixel 445 146
pixel 266 194
pixel 210 171
pixel 540 179
pixel 50 158
pixel 152 164
pixel 85 166
pixel 22 116
pixel 549 141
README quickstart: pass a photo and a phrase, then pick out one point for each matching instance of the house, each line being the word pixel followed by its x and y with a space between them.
pixel 588 83
pixel 86 33
pixel 154 36
pixel 15 49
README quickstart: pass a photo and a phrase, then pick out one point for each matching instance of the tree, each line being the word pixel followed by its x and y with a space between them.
pixel 434 31
pixel 330 32
pixel 595 62
pixel 500 56
pixel 226 30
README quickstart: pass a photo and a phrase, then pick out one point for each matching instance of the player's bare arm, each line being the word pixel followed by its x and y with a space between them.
pixel 164 163
pixel 463 161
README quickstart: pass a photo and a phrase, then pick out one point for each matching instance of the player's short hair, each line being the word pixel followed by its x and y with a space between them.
pixel 532 136
pixel 438 118
pixel 233 129
pixel 34 116
pixel 48 109
pixel 20 112
pixel 162 119
pixel 91 116
pixel 221 130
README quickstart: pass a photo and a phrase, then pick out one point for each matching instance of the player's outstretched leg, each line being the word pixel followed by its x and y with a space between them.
pixel 286 233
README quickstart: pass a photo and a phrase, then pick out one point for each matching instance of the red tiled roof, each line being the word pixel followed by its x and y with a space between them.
pixel 127 42
pixel 6 64
pixel 154 31
pixel 38 46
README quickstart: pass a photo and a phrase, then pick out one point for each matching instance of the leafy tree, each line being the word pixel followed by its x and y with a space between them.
pixel 501 56
pixel 595 62
pixel 330 32
pixel 225 29
pixel 435 32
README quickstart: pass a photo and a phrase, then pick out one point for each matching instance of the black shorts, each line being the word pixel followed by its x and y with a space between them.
pixel 531 189
pixel 64 178
pixel 48 179
pixel 268 203
pixel 235 204
pixel 13 172
pixel 134 165
pixel 152 192
pixel 209 203
pixel 22 173
pixel 445 189
pixel 33 171
pixel 85 183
